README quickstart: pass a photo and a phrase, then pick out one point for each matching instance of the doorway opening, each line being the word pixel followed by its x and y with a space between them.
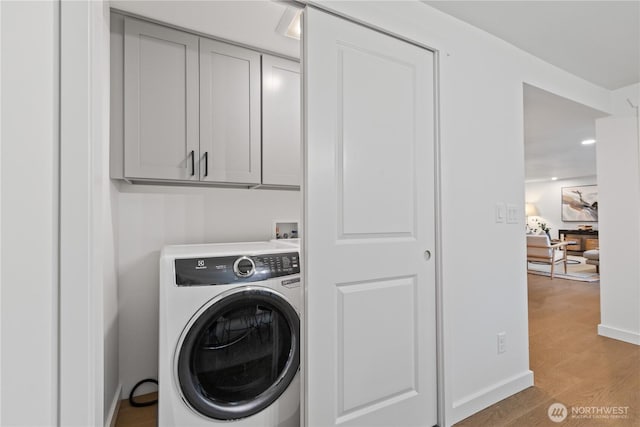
pixel 562 238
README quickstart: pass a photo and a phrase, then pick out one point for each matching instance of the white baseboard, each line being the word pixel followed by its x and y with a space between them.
pixel 619 334
pixel 114 408
pixel 486 397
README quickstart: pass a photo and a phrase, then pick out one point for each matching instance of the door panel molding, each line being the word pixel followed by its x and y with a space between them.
pixel 359 213
pixel 359 345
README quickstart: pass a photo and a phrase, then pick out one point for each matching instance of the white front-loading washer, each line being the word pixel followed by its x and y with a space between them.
pixel 294 241
pixel 229 350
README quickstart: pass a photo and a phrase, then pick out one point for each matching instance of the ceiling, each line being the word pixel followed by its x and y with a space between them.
pixel 596 40
pixel 554 128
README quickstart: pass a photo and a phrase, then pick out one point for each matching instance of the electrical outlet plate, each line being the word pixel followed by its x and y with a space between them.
pixel 502 342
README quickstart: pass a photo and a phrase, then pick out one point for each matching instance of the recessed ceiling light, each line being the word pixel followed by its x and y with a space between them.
pixel 554 178
pixel 588 141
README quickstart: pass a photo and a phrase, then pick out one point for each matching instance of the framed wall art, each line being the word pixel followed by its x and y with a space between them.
pixel 580 203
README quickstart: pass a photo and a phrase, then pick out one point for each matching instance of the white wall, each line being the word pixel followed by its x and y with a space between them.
pixel 618 166
pixel 153 216
pixel 88 377
pixel 546 196
pixel 109 201
pixel 112 384
pixel 482 154
pixel 29 221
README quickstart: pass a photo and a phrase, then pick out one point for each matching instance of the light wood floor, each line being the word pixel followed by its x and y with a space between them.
pixel 571 364
pixel 129 416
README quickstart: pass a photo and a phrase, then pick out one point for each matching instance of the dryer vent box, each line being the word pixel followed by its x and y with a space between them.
pixel 285 230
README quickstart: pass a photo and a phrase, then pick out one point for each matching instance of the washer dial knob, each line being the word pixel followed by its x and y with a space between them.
pixel 244 267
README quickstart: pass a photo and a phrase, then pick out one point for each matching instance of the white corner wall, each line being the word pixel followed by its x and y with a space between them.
pixel 482 162
pixel 547 198
pixel 618 152
pixel 112 384
pixel 88 365
pixel 29 219
pixel 109 207
pixel 150 217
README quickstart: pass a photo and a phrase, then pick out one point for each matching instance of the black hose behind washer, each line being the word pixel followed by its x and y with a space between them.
pixel 142 404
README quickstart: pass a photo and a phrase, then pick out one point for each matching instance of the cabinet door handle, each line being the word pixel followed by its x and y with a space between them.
pixel 193 162
pixel 206 163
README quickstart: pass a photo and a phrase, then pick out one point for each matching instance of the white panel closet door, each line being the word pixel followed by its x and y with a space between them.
pixel 369 220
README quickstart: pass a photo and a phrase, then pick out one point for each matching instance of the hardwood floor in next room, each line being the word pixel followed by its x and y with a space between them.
pixel 572 365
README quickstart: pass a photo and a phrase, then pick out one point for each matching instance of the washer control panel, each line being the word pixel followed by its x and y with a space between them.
pixel 235 269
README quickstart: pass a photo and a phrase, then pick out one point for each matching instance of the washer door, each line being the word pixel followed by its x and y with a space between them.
pixel 240 354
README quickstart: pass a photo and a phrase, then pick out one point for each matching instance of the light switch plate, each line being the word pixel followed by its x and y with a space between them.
pixel 501 212
pixel 512 214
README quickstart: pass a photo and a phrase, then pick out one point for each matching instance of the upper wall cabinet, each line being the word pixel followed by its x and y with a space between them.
pixel 229 113
pixel 160 102
pixel 186 108
pixel 280 121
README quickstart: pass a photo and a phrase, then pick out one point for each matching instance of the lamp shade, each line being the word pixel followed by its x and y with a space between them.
pixel 530 209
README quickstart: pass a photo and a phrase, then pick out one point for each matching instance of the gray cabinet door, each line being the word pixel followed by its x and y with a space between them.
pixel 280 121
pixel 160 102
pixel 229 113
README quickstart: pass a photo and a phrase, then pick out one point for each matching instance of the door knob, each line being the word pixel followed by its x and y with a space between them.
pixel 427 255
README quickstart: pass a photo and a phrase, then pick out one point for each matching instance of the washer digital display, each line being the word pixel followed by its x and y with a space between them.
pixel 235 269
